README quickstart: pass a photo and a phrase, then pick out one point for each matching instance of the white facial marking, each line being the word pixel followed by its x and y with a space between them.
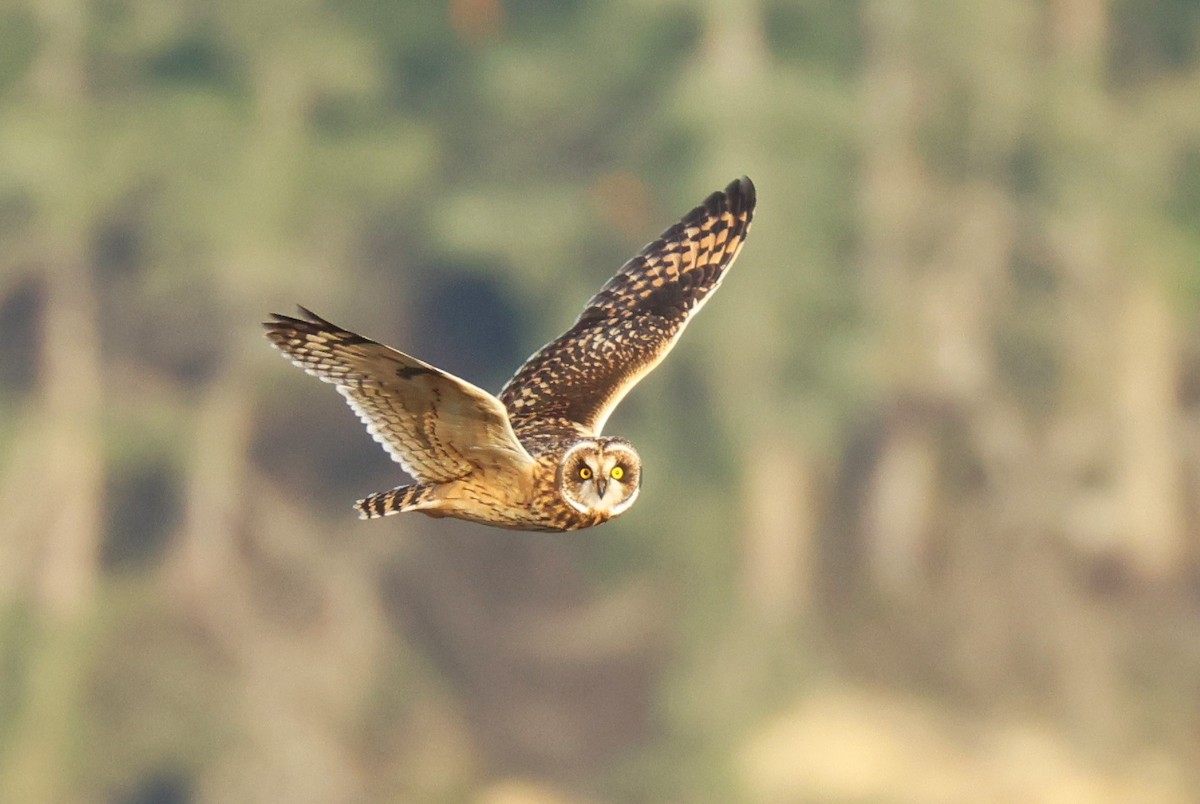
pixel 599 492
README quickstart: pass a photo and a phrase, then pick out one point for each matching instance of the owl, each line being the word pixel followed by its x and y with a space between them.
pixel 532 458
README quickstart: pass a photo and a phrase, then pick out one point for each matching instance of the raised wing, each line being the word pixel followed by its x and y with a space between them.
pixel 575 382
pixel 435 425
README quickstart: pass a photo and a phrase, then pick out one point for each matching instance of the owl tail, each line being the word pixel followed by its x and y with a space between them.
pixel 396 501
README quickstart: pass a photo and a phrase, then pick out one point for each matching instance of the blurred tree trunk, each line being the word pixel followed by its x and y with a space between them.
pixel 70 370
pixel 66 481
pixel 777 536
pixel 72 484
pixel 893 186
pixel 1152 529
pixel 1128 341
pixel 777 560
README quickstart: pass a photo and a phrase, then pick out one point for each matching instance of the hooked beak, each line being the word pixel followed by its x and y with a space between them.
pixel 601 486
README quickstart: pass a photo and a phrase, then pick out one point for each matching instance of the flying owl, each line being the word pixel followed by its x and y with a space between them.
pixel 532 458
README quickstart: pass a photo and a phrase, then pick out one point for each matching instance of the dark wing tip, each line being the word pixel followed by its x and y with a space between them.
pixel 280 321
pixel 742 193
pixel 311 317
pixel 738 196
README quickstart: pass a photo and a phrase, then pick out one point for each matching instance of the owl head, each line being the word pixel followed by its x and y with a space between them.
pixel 600 475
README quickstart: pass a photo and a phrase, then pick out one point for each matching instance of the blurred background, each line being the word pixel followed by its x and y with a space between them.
pixel 921 506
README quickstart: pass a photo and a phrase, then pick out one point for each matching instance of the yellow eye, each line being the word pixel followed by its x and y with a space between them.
pixel 584 472
pixel 617 473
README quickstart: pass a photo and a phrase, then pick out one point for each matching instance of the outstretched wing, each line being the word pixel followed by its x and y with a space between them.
pixel 435 425
pixel 575 382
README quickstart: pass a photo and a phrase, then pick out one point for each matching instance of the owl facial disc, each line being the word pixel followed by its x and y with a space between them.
pixel 600 475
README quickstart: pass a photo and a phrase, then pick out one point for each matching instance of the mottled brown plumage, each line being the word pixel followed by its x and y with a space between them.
pixel 533 458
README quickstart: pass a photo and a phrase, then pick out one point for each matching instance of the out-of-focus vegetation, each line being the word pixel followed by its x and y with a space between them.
pixel 921 517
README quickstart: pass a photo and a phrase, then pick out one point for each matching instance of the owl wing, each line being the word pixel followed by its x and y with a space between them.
pixel 435 425
pixel 575 382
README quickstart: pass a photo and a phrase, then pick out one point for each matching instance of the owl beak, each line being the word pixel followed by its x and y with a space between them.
pixel 601 486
